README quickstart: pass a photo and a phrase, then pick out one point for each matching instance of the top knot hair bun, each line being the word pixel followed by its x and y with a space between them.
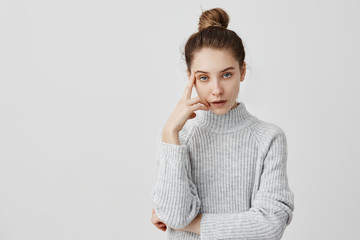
pixel 215 17
pixel 213 33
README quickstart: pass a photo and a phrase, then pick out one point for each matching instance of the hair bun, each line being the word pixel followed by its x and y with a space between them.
pixel 215 17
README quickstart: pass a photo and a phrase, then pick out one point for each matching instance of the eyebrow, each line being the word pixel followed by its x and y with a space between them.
pixel 200 71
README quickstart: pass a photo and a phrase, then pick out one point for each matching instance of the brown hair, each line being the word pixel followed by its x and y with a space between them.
pixel 213 33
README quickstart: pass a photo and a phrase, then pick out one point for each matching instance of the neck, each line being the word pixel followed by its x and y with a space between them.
pixel 236 117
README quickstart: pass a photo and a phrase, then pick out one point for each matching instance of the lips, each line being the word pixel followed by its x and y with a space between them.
pixel 219 101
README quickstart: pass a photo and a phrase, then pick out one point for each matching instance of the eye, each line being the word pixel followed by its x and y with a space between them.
pixel 227 75
pixel 203 78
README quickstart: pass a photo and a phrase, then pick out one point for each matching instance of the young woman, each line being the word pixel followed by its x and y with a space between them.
pixel 221 171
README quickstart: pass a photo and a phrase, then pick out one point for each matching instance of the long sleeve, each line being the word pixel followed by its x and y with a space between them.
pixel 271 209
pixel 175 196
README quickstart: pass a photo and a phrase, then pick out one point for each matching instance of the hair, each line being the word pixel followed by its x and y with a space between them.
pixel 213 33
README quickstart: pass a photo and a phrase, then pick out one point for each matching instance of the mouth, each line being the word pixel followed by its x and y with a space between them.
pixel 218 103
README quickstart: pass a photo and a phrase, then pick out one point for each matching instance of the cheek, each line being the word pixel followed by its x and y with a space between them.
pixel 235 88
pixel 200 90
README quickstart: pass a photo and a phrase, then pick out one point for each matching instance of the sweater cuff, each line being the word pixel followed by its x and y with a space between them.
pixel 172 152
pixel 208 229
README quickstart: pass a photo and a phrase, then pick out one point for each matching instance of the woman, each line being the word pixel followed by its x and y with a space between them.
pixel 222 171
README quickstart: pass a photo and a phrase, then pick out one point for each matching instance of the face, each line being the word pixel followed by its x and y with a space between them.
pixel 218 77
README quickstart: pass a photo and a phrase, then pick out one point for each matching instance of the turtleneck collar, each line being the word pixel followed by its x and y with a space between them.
pixel 235 118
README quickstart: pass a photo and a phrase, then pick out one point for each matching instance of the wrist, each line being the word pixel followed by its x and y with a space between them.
pixel 168 129
pixel 170 136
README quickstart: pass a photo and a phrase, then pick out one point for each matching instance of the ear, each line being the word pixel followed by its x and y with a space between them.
pixel 243 72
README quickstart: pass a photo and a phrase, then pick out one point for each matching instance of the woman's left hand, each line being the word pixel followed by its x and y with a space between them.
pixel 157 222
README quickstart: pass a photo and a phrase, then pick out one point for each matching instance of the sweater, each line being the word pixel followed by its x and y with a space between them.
pixel 230 168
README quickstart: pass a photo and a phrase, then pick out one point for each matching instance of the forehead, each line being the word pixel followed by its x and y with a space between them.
pixel 213 60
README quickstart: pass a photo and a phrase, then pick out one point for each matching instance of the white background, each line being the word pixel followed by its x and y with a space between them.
pixel 85 87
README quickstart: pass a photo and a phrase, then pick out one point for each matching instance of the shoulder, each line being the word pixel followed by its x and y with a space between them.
pixel 266 133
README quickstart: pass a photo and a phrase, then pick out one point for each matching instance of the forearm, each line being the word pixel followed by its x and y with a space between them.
pixel 183 205
pixel 170 136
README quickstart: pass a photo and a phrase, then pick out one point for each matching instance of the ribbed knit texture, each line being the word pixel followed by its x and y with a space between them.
pixel 230 168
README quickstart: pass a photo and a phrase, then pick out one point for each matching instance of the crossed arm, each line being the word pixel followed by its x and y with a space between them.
pixel 271 209
pixel 194 226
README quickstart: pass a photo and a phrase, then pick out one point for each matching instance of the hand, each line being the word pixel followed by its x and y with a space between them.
pixel 157 222
pixel 185 108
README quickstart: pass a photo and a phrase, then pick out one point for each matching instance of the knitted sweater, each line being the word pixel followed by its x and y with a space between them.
pixel 230 168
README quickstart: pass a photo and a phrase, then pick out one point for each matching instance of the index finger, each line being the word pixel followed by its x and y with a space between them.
pixel 189 86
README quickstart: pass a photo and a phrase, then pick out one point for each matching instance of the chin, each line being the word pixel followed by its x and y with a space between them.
pixel 220 111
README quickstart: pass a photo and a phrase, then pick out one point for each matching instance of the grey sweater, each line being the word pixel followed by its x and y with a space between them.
pixel 230 168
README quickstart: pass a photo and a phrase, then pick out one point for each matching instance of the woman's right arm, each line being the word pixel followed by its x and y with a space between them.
pixel 170 137
pixel 175 196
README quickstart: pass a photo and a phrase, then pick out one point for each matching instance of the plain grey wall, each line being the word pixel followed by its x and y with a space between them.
pixel 85 87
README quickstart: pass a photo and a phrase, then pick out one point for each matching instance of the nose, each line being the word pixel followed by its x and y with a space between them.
pixel 217 88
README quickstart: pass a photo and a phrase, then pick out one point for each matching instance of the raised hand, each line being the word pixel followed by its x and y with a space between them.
pixel 185 108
